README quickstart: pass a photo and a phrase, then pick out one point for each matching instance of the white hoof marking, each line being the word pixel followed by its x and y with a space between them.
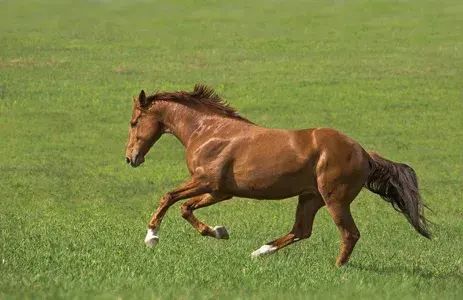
pixel 265 249
pixel 220 232
pixel 151 238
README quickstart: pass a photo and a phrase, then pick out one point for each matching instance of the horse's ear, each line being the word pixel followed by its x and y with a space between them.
pixel 142 98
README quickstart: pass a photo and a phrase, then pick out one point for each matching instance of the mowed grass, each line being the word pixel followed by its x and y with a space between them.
pixel 73 216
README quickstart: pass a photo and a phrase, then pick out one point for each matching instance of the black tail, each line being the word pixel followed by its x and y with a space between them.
pixel 397 184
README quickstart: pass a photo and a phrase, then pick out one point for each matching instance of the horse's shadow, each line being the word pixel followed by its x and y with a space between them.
pixel 413 271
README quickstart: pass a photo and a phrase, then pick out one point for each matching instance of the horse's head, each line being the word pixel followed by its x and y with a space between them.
pixel 144 131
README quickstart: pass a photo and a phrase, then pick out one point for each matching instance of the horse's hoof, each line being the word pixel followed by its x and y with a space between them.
pixel 220 232
pixel 151 238
pixel 265 249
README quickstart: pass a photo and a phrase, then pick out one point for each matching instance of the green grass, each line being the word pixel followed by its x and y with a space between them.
pixel 73 216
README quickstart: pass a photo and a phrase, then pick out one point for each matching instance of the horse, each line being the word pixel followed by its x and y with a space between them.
pixel 228 155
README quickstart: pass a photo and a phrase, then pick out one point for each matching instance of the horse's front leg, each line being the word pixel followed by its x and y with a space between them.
pixel 191 188
pixel 202 201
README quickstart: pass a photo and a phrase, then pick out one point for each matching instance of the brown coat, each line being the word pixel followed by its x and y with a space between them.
pixel 228 155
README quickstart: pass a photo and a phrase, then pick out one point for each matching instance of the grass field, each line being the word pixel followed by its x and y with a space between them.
pixel 73 216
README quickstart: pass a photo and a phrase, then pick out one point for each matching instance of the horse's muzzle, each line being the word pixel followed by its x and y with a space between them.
pixel 138 160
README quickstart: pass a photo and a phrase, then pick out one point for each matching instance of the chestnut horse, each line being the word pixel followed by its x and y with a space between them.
pixel 228 155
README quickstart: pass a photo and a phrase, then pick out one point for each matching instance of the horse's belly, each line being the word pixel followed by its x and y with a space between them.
pixel 272 185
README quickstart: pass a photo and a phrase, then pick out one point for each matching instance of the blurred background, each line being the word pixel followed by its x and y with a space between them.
pixel 73 216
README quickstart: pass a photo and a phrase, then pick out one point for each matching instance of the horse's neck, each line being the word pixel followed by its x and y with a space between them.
pixel 183 121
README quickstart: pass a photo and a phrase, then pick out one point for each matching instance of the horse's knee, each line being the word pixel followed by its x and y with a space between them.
pixel 355 236
pixel 166 199
pixel 351 237
pixel 186 211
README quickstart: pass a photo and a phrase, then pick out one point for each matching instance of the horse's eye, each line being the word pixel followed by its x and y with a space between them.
pixel 133 124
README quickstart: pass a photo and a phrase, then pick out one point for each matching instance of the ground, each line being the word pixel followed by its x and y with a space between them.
pixel 73 216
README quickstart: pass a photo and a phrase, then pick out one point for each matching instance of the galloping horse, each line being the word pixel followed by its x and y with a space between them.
pixel 228 155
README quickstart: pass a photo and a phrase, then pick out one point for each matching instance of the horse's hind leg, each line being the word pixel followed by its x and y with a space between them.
pixel 349 232
pixel 307 208
pixel 194 203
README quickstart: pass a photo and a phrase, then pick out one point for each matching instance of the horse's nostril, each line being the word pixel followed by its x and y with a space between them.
pixel 127 160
